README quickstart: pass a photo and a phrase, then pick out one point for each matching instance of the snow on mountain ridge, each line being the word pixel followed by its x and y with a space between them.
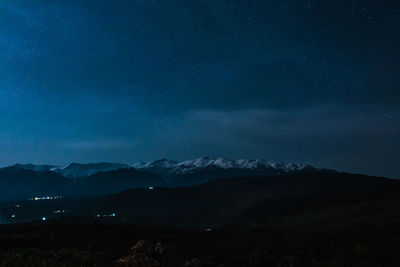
pixel 188 166
pixel 158 166
pixel 165 167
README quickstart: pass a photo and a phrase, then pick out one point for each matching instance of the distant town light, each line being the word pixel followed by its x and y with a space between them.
pixel 44 218
pixel 151 187
pixel 60 211
pixel 46 198
pixel 106 215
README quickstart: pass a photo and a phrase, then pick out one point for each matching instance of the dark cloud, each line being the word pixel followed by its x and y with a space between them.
pixel 354 139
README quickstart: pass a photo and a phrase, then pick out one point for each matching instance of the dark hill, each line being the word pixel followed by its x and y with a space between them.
pixel 18 183
pixel 212 173
pixel 103 183
pixel 248 199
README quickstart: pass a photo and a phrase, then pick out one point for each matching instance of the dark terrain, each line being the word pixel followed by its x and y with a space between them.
pixel 45 183
pixel 305 219
pixel 364 234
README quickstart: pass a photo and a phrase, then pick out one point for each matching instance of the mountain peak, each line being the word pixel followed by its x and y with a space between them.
pixel 171 167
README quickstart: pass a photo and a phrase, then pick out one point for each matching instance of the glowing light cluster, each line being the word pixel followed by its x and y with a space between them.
pixel 106 215
pixel 45 198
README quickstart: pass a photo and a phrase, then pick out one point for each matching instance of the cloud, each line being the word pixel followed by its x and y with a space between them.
pixel 303 122
pixel 358 139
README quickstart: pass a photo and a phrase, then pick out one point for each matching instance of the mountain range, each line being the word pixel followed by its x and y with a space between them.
pixel 75 170
pixel 192 172
pixel 196 192
pixel 168 168
pixel 22 181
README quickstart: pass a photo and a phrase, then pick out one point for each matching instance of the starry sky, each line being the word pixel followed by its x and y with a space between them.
pixel 122 81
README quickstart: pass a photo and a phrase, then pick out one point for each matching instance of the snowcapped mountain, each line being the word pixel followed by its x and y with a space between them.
pixel 196 171
pixel 179 173
pixel 77 179
pixel 170 168
pixel 77 170
pixel 159 167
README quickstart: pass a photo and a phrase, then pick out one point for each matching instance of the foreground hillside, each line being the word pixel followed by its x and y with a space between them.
pixel 305 219
pixel 362 234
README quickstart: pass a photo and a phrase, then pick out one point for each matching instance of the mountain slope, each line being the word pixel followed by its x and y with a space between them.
pixel 34 167
pixel 78 170
pixel 248 200
pixel 19 183
pixel 115 181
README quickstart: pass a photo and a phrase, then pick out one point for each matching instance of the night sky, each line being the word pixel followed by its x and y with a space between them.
pixel 122 81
